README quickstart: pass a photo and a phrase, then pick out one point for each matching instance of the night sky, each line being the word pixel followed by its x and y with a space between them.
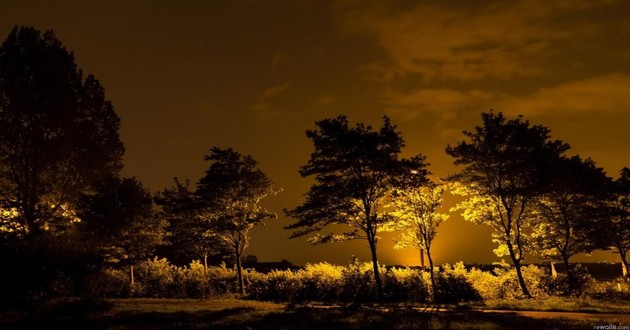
pixel 254 75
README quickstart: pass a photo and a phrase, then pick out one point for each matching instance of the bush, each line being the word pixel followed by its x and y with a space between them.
pixel 320 282
pixel 156 278
pixel 193 281
pixel 222 280
pixel 453 286
pixel 358 284
pixel 533 276
pixel 618 289
pixel 108 283
pixel 405 285
pixel 563 286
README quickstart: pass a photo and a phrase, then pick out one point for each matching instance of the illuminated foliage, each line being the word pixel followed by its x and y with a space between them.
pixel 230 193
pixel 505 168
pixel 417 202
pixel 58 132
pixel 355 169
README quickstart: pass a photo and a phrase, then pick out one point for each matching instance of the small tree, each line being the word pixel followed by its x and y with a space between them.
pixel 231 192
pixel 118 219
pixel 417 203
pixel 506 167
pixel 355 169
pixel 566 211
pixel 191 233
pixel 58 132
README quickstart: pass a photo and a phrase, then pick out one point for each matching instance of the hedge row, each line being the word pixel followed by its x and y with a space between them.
pixel 324 282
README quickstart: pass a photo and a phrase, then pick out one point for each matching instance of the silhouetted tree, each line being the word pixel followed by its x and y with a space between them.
pixel 417 218
pixel 58 132
pixel 355 168
pixel 506 167
pixel 566 210
pixel 613 226
pixel 118 219
pixel 231 192
pixel 191 233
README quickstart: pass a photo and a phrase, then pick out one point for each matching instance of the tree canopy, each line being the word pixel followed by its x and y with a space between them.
pixel 230 193
pixel 119 220
pixel 58 132
pixel 506 164
pixel 355 169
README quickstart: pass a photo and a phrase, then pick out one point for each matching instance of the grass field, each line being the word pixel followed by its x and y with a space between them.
pixel 239 314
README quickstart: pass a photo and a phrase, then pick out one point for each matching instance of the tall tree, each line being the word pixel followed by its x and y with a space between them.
pixel 190 232
pixel 566 211
pixel 355 169
pixel 417 202
pixel 58 132
pixel 231 192
pixel 119 220
pixel 506 166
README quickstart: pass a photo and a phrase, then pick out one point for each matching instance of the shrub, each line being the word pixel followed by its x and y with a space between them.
pixel 487 284
pixel 618 289
pixel 108 283
pixel 562 286
pixel 358 284
pixel 156 278
pixel 193 281
pixel 222 280
pixel 405 285
pixel 452 286
pixel 533 276
pixel 320 282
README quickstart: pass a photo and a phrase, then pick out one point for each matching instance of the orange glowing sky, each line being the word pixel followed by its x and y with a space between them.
pixel 254 75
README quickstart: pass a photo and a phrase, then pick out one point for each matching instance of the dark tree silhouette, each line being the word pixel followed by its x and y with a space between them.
pixel 506 167
pixel 58 133
pixel 118 219
pixel 355 168
pixel 613 227
pixel 231 192
pixel 566 211
pixel 190 232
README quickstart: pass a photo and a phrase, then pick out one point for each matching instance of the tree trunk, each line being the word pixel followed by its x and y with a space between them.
pixel 433 285
pixel 239 273
pixel 377 277
pixel 132 281
pixel 205 263
pixel 624 263
pixel 422 257
pixel 570 275
pixel 519 274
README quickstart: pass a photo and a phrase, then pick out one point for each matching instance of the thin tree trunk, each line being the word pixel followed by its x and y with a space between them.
pixel 132 281
pixel 239 272
pixel 422 257
pixel 433 285
pixel 624 262
pixel 205 263
pixel 377 277
pixel 519 274
pixel 570 275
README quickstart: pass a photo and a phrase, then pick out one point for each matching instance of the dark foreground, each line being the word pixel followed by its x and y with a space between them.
pixel 237 314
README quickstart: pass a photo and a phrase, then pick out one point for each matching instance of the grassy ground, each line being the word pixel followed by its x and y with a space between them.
pixel 561 304
pixel 238 314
